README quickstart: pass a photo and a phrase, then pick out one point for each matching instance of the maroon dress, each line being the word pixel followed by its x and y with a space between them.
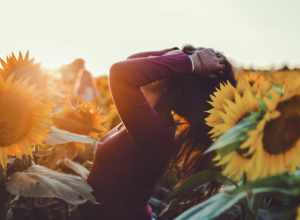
pixel 133 156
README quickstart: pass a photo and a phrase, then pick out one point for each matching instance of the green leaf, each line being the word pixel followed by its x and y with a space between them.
pixel 275 214
pixel 212 207
pixel 59 136
pixel 198 179
pixel 223 201
pixel 278 89
pixel 232 139
pixel 287 185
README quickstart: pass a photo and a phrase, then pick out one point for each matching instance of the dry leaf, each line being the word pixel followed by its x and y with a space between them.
pixel 41 182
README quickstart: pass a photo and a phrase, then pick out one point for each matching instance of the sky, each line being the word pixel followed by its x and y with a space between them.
pixel 251 32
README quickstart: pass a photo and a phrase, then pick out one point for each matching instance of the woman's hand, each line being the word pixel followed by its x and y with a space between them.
pixel 208 63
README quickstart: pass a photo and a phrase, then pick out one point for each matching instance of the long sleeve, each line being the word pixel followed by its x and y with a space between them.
pixel 151 53
pixel 126 78
pixel 124 173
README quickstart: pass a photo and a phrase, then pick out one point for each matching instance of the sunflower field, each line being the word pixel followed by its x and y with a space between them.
pixel 50 121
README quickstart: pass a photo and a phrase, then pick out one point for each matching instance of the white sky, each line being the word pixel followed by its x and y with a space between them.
pixel 259 32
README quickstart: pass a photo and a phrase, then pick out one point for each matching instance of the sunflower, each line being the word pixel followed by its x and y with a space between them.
pixel 298 213
pixel 288 79
pixel 51 156
pixel 273 146
pixel 253 80
pixel 84 118
pixel 81 118
pixel 230 106
pixel 102 85
pixel 111 118
pixel 263 80
pixel 181 123
pixel 24 118
pixel 225 93
pixel 109 110
pixel 23 67
pixel 276 139
pixel 283 76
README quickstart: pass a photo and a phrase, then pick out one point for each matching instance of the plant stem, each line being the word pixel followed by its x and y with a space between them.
pixel 3 196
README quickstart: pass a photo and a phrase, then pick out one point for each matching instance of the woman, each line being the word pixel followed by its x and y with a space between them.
pixel 85 87
pixel 146 88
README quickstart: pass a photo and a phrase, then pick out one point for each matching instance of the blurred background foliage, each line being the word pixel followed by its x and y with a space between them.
pixel 227 180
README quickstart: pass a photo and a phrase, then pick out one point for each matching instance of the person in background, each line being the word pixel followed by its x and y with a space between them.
pixel 70 71
pixel 85 87
pixel 146 88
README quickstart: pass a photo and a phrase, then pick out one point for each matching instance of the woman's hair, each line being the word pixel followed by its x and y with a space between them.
pixel 192 103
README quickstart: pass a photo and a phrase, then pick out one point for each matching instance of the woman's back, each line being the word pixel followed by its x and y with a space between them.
pixel 129 161
pixel 125 174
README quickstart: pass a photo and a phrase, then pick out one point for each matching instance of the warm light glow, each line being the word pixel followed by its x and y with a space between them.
pixel 102 32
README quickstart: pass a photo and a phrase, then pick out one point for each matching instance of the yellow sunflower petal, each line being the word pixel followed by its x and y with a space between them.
pixel 24 118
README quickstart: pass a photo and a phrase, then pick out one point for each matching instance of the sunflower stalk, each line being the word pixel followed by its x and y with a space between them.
pixel 286 186
pixel 4 198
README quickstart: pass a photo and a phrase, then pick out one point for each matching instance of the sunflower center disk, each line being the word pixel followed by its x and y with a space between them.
pixel 14 119
pixel 282 133
pixel 244 153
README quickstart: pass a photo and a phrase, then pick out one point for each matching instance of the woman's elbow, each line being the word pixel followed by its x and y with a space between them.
pixel 122 71
pixel 115 72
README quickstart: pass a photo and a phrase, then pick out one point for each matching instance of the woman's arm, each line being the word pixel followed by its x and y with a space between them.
pixel 152 53
pixel 141 120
